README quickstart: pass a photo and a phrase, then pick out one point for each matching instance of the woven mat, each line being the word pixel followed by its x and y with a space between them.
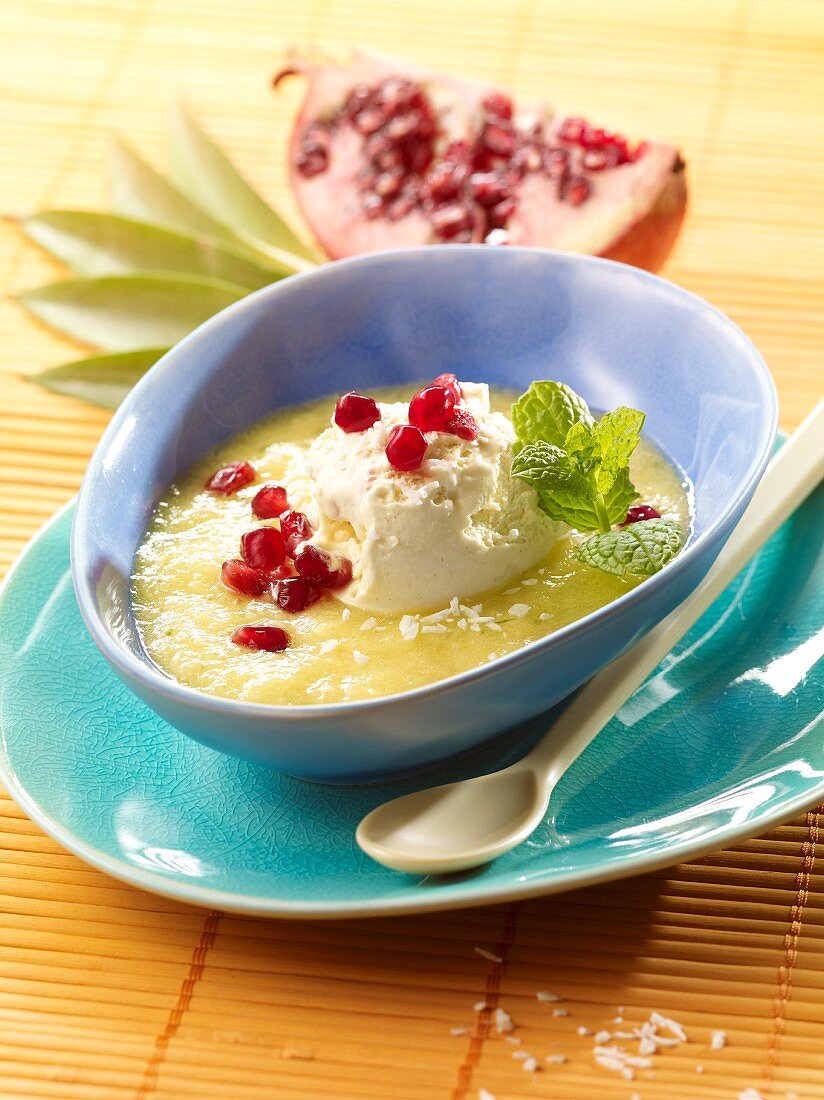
pixel 109 992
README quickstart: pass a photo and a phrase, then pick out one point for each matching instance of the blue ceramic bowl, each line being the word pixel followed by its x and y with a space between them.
pixel 506 316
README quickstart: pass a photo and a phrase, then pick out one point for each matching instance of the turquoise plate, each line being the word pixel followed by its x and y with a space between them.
pixel 724 740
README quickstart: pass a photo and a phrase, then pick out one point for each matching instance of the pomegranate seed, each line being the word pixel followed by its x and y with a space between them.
pixel 429 409
pixel 571 130
pixel 400 208
pixel 323 569
pixel 388 184
pixel 373 207
pixel 488 188
pixel 419 157
pixel 296 529
pixel 358 98
pixel 556 163
pixel 295 594
pixel 272 639
pixel 637 512
pixel 283 572
pixel 229 479
pixel 448 221
pixel 397 92
pixel 594 137
pixel 596 160
pixel 312 160
pixel 404 126
pixel 499 105
pixel 577 190
pixel 445 180
pixel 499 215
pixel 463 424
pixel 451 383
pixel 243 578
pixel 369 120
pixel 497 139
pixel 356 413
pixel 269 502
pixel 263 548
pixel 529 158
pixel 383 153
pixel 405 447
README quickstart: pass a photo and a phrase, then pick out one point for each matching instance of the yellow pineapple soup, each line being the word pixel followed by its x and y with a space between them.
pixel 186 617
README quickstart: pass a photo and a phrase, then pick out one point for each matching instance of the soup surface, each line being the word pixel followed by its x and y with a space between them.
pixel 186 617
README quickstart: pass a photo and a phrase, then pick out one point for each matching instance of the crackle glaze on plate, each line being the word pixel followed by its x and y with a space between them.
pixel 724 740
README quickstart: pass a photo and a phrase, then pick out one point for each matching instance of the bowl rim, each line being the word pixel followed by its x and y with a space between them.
pixel 161 683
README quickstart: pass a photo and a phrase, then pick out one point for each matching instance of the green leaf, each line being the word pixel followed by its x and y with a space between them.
pixel 109 244
pixel 204 173
pixel 139 192
pixel 567 494
pixel 101 379
pixel 546 412
pixel 619 496
pixel 581 444
pixel 617 434
pixel 119 312
pixel 640 548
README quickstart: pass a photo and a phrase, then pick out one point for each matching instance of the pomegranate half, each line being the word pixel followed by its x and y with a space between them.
pixel 387 155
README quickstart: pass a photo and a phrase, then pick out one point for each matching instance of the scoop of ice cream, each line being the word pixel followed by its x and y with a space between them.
pixel 456 526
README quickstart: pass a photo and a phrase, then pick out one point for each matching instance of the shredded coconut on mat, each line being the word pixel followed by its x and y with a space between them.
pixel 485 1094
pixel 488 955
pixel 750 1094
pixel 503 1021
pixel 718 1040
pixel 546 996
pixel 459 1031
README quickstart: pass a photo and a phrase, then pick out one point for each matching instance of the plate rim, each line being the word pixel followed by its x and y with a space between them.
pixel 249 904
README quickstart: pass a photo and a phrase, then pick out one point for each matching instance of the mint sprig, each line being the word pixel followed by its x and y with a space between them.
pixel 579 467
pixel 641 548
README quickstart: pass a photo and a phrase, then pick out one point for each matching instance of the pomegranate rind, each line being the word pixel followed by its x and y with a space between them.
pixel 634 214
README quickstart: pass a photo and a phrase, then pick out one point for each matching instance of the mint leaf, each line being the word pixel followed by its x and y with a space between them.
pixel 619 496
pixel 582 445
pixel 567 494
pixel 617 434
pixel 640 548
pixel 564 493
pixel 546 412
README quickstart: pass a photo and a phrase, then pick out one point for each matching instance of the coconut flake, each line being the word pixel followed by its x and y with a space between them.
pixel 480 1006
pixel 519 610
pixel 547 997
pixel 409 627
pixel 434 628
pixel 669 1025
pixel 544 617
pixel 485 1094
pixel 718 1040
pixel 750 1094
pixel 602 1037
pixel 345 614
pixel 329 645
pixel 556 1059
pixel 520 1055
pixel 559 1012
pixel 512 1039
pixel 482 951
pixel 361 658
pixel 456 1031
pixel 530 581
pixel 530 1065
pixel 369 624
pixel 583 1030
pixel 503 1021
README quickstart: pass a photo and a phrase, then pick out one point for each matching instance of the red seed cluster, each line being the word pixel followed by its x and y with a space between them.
pixel 434 408
pixel 470 189
pixel 276 562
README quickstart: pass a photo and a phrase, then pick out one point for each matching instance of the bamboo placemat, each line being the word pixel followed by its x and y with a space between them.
pixel 109 992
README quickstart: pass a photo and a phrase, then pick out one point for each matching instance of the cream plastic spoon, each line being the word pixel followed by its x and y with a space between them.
pixel 461 825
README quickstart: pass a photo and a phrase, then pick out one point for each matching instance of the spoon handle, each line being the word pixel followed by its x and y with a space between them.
pixel 793 473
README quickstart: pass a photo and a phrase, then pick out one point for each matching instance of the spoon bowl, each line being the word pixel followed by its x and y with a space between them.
pixel 458 825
